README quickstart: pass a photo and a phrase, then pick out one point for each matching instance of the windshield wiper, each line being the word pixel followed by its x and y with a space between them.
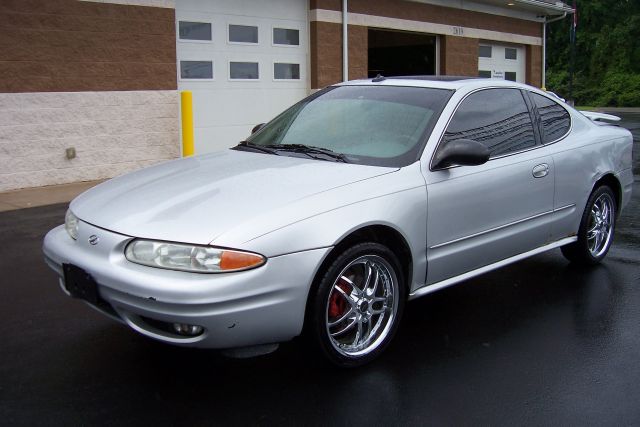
pixel 310 150
pixel 248 146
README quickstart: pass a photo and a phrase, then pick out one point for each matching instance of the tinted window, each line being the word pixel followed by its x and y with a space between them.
pixel 286 36
pixel 484 73
pixel 510 75
pixel 244 70
pixel 243 34
pixel 555 119
pixel 498 118
pixel 194 30
pixel 484 51
pixel 286 71
pixel 510 53
pixel 196 69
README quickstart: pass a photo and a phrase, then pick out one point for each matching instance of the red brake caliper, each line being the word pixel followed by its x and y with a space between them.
pixel 337 304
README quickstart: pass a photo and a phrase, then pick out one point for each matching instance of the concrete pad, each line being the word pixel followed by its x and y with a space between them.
pixel 41 196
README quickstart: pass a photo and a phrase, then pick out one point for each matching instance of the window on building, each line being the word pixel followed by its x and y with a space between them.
pixel 556 121
pixel 485 74
pixel 196 69
pixel 510 75
pixel 286 36
pixel 484 51
pixel 282 71
pixel 504 128
pixel 243 34
pixel 510 53
pixel 244 71
pixel 194 30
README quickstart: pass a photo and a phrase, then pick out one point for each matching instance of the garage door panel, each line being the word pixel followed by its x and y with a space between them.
pixel 225 109
pixel 506 61
pixel 292 9
pixel 228 107
pixel 216 138
pixel 250 107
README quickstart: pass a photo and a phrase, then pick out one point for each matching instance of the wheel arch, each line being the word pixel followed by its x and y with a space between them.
pixel 378 233
pixel 611 181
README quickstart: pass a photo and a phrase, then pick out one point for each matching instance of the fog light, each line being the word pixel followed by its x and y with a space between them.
pixel 186 329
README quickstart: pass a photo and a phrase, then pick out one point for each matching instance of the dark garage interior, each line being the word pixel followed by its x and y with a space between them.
pixel 400 53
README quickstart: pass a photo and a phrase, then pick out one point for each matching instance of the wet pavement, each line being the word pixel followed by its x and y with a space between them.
pixel 538 342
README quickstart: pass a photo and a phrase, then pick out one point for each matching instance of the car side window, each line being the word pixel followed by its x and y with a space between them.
pixel 555 120
pixel 497 118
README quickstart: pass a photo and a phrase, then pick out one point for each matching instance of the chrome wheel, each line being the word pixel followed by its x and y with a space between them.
pixel 361 306
pixel 600 225
pixel 597 227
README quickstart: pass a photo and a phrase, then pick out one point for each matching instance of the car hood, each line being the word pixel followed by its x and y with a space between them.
pixel 196 199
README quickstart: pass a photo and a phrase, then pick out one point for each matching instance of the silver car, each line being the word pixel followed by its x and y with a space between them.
pixel 331 216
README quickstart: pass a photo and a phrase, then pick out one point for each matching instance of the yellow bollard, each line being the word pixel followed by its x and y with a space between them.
pixel 186 101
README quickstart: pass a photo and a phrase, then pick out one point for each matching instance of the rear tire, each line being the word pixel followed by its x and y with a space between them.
pixel 596 229
pixel 357 305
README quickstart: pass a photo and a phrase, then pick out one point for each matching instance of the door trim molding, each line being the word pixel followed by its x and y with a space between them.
pixel 427 289
pixel 500 227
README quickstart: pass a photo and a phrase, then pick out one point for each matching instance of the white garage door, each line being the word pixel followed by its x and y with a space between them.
pixel 245 62
pixel 502 61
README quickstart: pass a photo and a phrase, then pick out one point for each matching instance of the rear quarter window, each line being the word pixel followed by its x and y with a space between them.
pixel 555 121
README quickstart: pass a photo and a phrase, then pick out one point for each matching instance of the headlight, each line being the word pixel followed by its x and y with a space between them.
pixel 71 224
pixel 183 257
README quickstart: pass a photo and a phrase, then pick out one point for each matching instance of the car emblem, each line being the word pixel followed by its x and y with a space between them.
pixel 93 239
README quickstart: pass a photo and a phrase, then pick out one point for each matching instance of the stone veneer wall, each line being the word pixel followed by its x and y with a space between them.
pixel 96 76
pixel 112 133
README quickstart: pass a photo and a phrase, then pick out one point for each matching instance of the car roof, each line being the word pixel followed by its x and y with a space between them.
pixel 438 82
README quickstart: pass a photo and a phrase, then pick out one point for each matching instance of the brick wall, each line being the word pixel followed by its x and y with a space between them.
pixel 358 52
pixel 534 66
pixel 326 53
pixel 458 56
pixel 69 45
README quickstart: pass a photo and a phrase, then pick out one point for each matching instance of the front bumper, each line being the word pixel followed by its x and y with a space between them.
pixel 259 306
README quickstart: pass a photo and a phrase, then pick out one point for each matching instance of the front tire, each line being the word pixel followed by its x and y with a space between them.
pixel 597 226
pixel 358 304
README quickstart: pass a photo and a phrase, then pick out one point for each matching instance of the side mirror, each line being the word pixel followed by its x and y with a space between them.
pixel 462 152
pixel 256 128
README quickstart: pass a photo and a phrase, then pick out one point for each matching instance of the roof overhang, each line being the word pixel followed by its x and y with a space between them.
pixel 540 6
pixel 536 10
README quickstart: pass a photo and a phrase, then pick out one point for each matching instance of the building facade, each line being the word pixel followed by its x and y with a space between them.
pixel 90 89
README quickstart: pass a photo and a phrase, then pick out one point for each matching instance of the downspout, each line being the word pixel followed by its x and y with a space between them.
pixel 544 46
pixel 345 43
pixel 544 55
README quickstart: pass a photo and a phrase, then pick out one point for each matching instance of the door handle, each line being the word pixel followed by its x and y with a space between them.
pixel 540 170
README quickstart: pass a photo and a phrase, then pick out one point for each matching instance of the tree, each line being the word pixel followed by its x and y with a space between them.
pixel 607 59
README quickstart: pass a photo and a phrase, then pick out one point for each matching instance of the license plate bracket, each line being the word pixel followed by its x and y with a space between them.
pixel 80 284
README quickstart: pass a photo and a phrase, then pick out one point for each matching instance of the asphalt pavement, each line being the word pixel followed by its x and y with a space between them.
pixel 540 342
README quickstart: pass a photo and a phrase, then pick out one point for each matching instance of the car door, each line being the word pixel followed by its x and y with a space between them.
pixel 479 215
pixel 572 178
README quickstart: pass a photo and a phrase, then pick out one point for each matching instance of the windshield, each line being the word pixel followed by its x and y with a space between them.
pixel 374 125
